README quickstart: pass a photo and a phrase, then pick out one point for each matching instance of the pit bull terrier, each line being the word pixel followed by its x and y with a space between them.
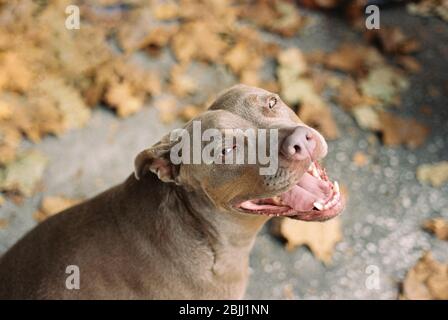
pixel 178 231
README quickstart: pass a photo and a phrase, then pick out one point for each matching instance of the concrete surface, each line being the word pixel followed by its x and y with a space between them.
pixel 387 205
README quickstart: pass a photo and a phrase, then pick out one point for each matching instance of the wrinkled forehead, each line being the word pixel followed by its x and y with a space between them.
pixel 218 119
pixel 238 98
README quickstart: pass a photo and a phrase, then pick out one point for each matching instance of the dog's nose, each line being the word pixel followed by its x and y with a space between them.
pixel 300 144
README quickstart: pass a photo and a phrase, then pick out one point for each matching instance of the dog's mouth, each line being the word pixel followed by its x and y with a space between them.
pixel 313 198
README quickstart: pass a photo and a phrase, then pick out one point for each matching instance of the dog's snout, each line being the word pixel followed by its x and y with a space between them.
pixel 300 144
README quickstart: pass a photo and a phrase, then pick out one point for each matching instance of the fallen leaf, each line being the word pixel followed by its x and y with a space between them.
pixel 426 110
pixel 189 112
pixel 427 280
pixel 73 112
pixel 384 84
pixel 367 118
pixel 182 84
pixel 288 292
pixel 281 17
pixel 350 97
pixel 53 205
pixel 123 99
pixel 437 226
pixel 350 58
pixel 142 31
pixel 409 63
pixel 166 11
pixel 428 8
pixel 392 40
pixel 241 57
pixel 197 40
pixel 320 237
pixel 319 116
pixel 397 130
pixel 435 174
pixel 360 159
pixel 3 223
pixel 297 87
pixel 167 107
pixel 326 4
pixel 16 74
pixel 23 175
pixel 10 138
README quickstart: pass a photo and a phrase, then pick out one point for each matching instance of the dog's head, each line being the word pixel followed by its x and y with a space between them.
pixel 250 154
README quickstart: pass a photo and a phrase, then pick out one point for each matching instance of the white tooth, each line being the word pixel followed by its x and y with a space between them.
pixel 329 204
pixel 315 173
pixel 318 205
pixel 336 187
pixel 277 200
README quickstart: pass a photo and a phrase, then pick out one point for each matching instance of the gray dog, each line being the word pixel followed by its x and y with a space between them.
pixel 178 231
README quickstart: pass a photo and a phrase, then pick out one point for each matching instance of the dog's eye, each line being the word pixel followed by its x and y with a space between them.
pixel 228 150
pixel 272 102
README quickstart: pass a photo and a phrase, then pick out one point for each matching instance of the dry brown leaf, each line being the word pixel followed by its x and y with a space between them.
pixel 392 40
pixel 396 130
pixel 297 87
pixel 189 112
pixel 53 205
pixel 319 116
pixel 281 17
pixel 167 107
pixel 435 174
pixel 241 57
pixel 10 138
pixel 350 58
pixel 409 63
pixel 320 237
pixel 3 223
pixel 427 8
pixel 23 175
pixel 350 97
pixel 166 11
pixel 198 40
pixel 123 99
pixel 182 84
pixel 141 31
pixel 427 280
pixel 437 226
pixel 58 105
pixel 360 159
pixel 367 118
pixel 16 74
pixel 384 84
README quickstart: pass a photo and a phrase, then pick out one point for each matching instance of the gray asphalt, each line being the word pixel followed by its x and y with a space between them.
pixel 387 205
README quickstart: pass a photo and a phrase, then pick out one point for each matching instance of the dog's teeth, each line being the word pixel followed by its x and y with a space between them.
pixel 336 187
pixel 318 206
pixel 315 173
pixel 277 200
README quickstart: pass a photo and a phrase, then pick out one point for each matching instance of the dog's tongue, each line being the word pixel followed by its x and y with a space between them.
pixel 302 196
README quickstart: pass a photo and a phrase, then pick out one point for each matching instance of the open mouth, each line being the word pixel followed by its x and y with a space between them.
pixel 313 198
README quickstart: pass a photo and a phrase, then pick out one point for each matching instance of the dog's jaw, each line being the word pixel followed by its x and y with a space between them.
pixel 313 198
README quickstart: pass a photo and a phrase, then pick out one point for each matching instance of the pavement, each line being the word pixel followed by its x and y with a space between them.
pixel 386 207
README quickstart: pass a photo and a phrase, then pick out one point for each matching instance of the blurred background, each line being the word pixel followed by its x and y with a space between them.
pixel 79 98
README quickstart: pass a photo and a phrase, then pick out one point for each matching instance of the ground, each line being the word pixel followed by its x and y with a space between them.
pixel 386 207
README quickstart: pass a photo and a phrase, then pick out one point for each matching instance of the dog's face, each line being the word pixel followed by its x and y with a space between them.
pixel 262 158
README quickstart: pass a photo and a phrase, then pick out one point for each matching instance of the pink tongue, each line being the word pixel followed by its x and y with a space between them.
pixel 302 196
pixel 317 187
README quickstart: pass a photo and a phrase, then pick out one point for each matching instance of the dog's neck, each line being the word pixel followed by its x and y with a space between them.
pixel 191 223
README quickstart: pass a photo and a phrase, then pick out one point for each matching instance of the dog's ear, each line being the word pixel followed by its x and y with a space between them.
pixel 157 160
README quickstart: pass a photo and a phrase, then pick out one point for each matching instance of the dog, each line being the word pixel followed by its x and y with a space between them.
pixel 179 230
